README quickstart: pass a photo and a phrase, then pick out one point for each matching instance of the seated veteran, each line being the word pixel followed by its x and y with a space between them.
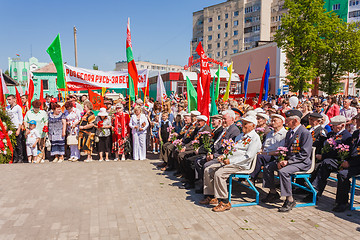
pixel 262 120
pixel 298 141
pixel 247 145
pixel 273 140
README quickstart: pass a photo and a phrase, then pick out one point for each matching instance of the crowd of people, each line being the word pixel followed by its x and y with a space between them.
pixel 278 133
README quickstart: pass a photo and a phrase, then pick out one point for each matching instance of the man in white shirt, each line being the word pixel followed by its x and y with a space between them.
pixel 349 112
pixel 15 113
pixel 247 145
pixel 273 140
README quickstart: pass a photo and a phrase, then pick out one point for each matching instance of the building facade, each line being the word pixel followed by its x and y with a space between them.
pixel 140 65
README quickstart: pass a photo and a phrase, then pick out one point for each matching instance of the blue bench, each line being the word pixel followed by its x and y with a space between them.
pixel 352 192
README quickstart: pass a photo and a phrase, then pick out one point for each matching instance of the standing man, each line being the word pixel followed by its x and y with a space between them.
pixel 299 142
pixel 349 112
pixel 16 115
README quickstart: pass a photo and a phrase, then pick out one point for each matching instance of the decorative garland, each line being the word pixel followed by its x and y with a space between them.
pixel 7 138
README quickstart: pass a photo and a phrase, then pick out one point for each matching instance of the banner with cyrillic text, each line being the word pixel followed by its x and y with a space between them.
pixel 83 79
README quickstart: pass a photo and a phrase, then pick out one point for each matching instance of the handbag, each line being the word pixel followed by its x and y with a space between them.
pixel 72 140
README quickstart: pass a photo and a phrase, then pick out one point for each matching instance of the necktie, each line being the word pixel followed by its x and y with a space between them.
pixel 291 133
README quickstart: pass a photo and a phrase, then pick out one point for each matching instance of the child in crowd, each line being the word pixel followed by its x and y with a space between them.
pixel 155 134
pixel 178 124
pixel 32 138
pixel 165 123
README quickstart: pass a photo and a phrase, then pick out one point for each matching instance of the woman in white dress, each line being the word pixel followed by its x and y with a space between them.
pixel 73 116
pixel 139 124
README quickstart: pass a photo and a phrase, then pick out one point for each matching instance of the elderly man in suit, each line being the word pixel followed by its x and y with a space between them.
pixel 299 142
pixel 247 145
pixel 230 131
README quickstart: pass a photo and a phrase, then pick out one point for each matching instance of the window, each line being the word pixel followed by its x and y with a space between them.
pixel 247 20
pixel 235 51
pixel 209 46
pixel 256 28
pixel 236 32
pixel 218 54
pixel 336 7
pixel 218 35
pixel 226 44
pixel 256 18
pixel 226 15
pixel 210 55
pixel 24 72
pixel 354 14
pixel 248 9
pixel 209 29
pixel 226 34
pixel 236 13
pixel 225 53
pixel 210 37
pixel 276 18
pixel 45 84
pixel 236 42
pixel 219 26
pixel 218 45
pixel 236 22
pixel 226 25
pixel 248 30
pixel 219 17
pixel 279 18
pixel 210 19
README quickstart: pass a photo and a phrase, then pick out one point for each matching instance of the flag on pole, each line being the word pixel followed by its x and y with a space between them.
pixel 42 100
pixel 213 109
pixel 227 93
pixel 18 97
pixel 133 74
pixel 161 92
pixel 265 83
pixel 191 95
pixel 217 84
pixel 3 90
pixel 96 99
pixel 246 81
pixel 54 50
pixel 30 89
pixel 103 90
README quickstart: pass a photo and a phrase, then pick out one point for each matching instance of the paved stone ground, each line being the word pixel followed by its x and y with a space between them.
pixel 134 200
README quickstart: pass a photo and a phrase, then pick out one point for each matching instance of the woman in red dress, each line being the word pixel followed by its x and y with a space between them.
pixel 121 130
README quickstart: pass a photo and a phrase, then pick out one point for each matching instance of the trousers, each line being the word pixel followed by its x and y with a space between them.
pixel 19 148
pixel 261 160
pixel 139 146
pixel 326 167
pixel 74 151
pixel 215 177
pixel 343 186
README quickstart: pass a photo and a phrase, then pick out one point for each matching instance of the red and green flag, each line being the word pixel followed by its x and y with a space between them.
pixel 133 74
pixel 54 51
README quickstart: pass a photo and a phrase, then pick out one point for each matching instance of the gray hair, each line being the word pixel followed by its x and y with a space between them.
pixel 296 117
pixel 230 112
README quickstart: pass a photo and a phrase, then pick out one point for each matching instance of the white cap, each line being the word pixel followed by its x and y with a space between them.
pixel 195 113
pixel 202 117
pixel 259 110
pixel 103 112
pixel 337 120
pixel 251 119
pixel 278 116
pixel 250 113
pixel 263 115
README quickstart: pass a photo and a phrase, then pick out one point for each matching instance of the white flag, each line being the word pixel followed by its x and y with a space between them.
pixel 5 89
pixel 161 92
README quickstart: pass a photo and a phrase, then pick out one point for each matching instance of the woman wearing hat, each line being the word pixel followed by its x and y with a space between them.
pixel 121 131
pixel 87 131
pixel 103 126
pixel 139 124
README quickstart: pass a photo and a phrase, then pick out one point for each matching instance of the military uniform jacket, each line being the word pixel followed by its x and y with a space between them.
pixel 319 135
pixel 343 138
pixel 190 146
pixel 190 133
pixel 354 156
pixel 230 133
pixel 299 148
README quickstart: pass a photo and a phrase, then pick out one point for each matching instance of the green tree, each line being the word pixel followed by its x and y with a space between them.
pixel 95 67
pixel 339 53
pixel 299 38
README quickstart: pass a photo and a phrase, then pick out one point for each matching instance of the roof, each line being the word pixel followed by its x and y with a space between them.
pixel 50 68
pixel 9 81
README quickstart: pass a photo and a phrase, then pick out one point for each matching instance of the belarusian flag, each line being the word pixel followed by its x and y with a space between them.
pixel 133 74
pixel 54 51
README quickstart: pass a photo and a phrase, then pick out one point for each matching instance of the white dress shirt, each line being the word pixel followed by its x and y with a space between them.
pixel 274 140
pixel 16 115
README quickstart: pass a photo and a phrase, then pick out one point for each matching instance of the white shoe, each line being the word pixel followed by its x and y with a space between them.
pixel 101 160
pixel 61 160
pixel 123 158
pixel 71 159
pixel 55 160
pixel 107 160
pixel 42 161
pixel 75 159
pixel 116 159
pixel 88 160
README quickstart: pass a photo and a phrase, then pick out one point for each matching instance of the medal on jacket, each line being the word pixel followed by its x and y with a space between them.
pixel 295 147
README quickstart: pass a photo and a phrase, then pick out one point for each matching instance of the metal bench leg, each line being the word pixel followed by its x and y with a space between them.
pixel 255 190
pixel 352 193
pixel 230 186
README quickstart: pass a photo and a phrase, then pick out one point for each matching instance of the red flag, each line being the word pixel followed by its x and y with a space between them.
pixel 18 98
pixel 30 91
pixel 203 86
pixel 96 99
pixel 132 70
pixel 42 94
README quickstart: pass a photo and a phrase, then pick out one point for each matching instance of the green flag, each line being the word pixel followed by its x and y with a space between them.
pixel 191 95
pixel 217 84
pixel 55 54
pixel 213 109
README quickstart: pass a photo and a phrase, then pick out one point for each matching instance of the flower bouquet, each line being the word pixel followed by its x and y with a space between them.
pixel 206 138
pixel 45 129
pixel 330 144
pixel 100 125
pixel 281 153
pixel 7 138
pixel 172 135
pixel 229 146
pixel 178 144
pixel 343 153
pixel 196 144
pixel 261 132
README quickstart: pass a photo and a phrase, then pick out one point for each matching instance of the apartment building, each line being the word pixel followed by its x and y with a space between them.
pixel 121 65
pixel 234 26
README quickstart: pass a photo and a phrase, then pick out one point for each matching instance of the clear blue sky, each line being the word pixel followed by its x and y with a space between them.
pixel 160 30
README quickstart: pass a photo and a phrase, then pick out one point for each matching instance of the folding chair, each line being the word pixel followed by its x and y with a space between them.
pixel 306 176
pixel 352 192
pixel 245 174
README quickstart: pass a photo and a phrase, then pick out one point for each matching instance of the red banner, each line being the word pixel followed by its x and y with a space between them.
pixel 96 99
pixel 203 87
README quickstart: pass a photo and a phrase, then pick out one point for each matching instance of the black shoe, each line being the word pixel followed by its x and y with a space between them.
pixel 199 191
pixel 287 206
pixel 340 208
pixel 271 198
pixel 187 186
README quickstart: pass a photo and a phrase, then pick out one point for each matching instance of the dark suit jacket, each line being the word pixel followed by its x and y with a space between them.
pixel 354 156
pixel 190 134
pixel 232 132
pixel 343 138
pixel 189 146
pixel 319 136
pixel 216 133
pixel 300 148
